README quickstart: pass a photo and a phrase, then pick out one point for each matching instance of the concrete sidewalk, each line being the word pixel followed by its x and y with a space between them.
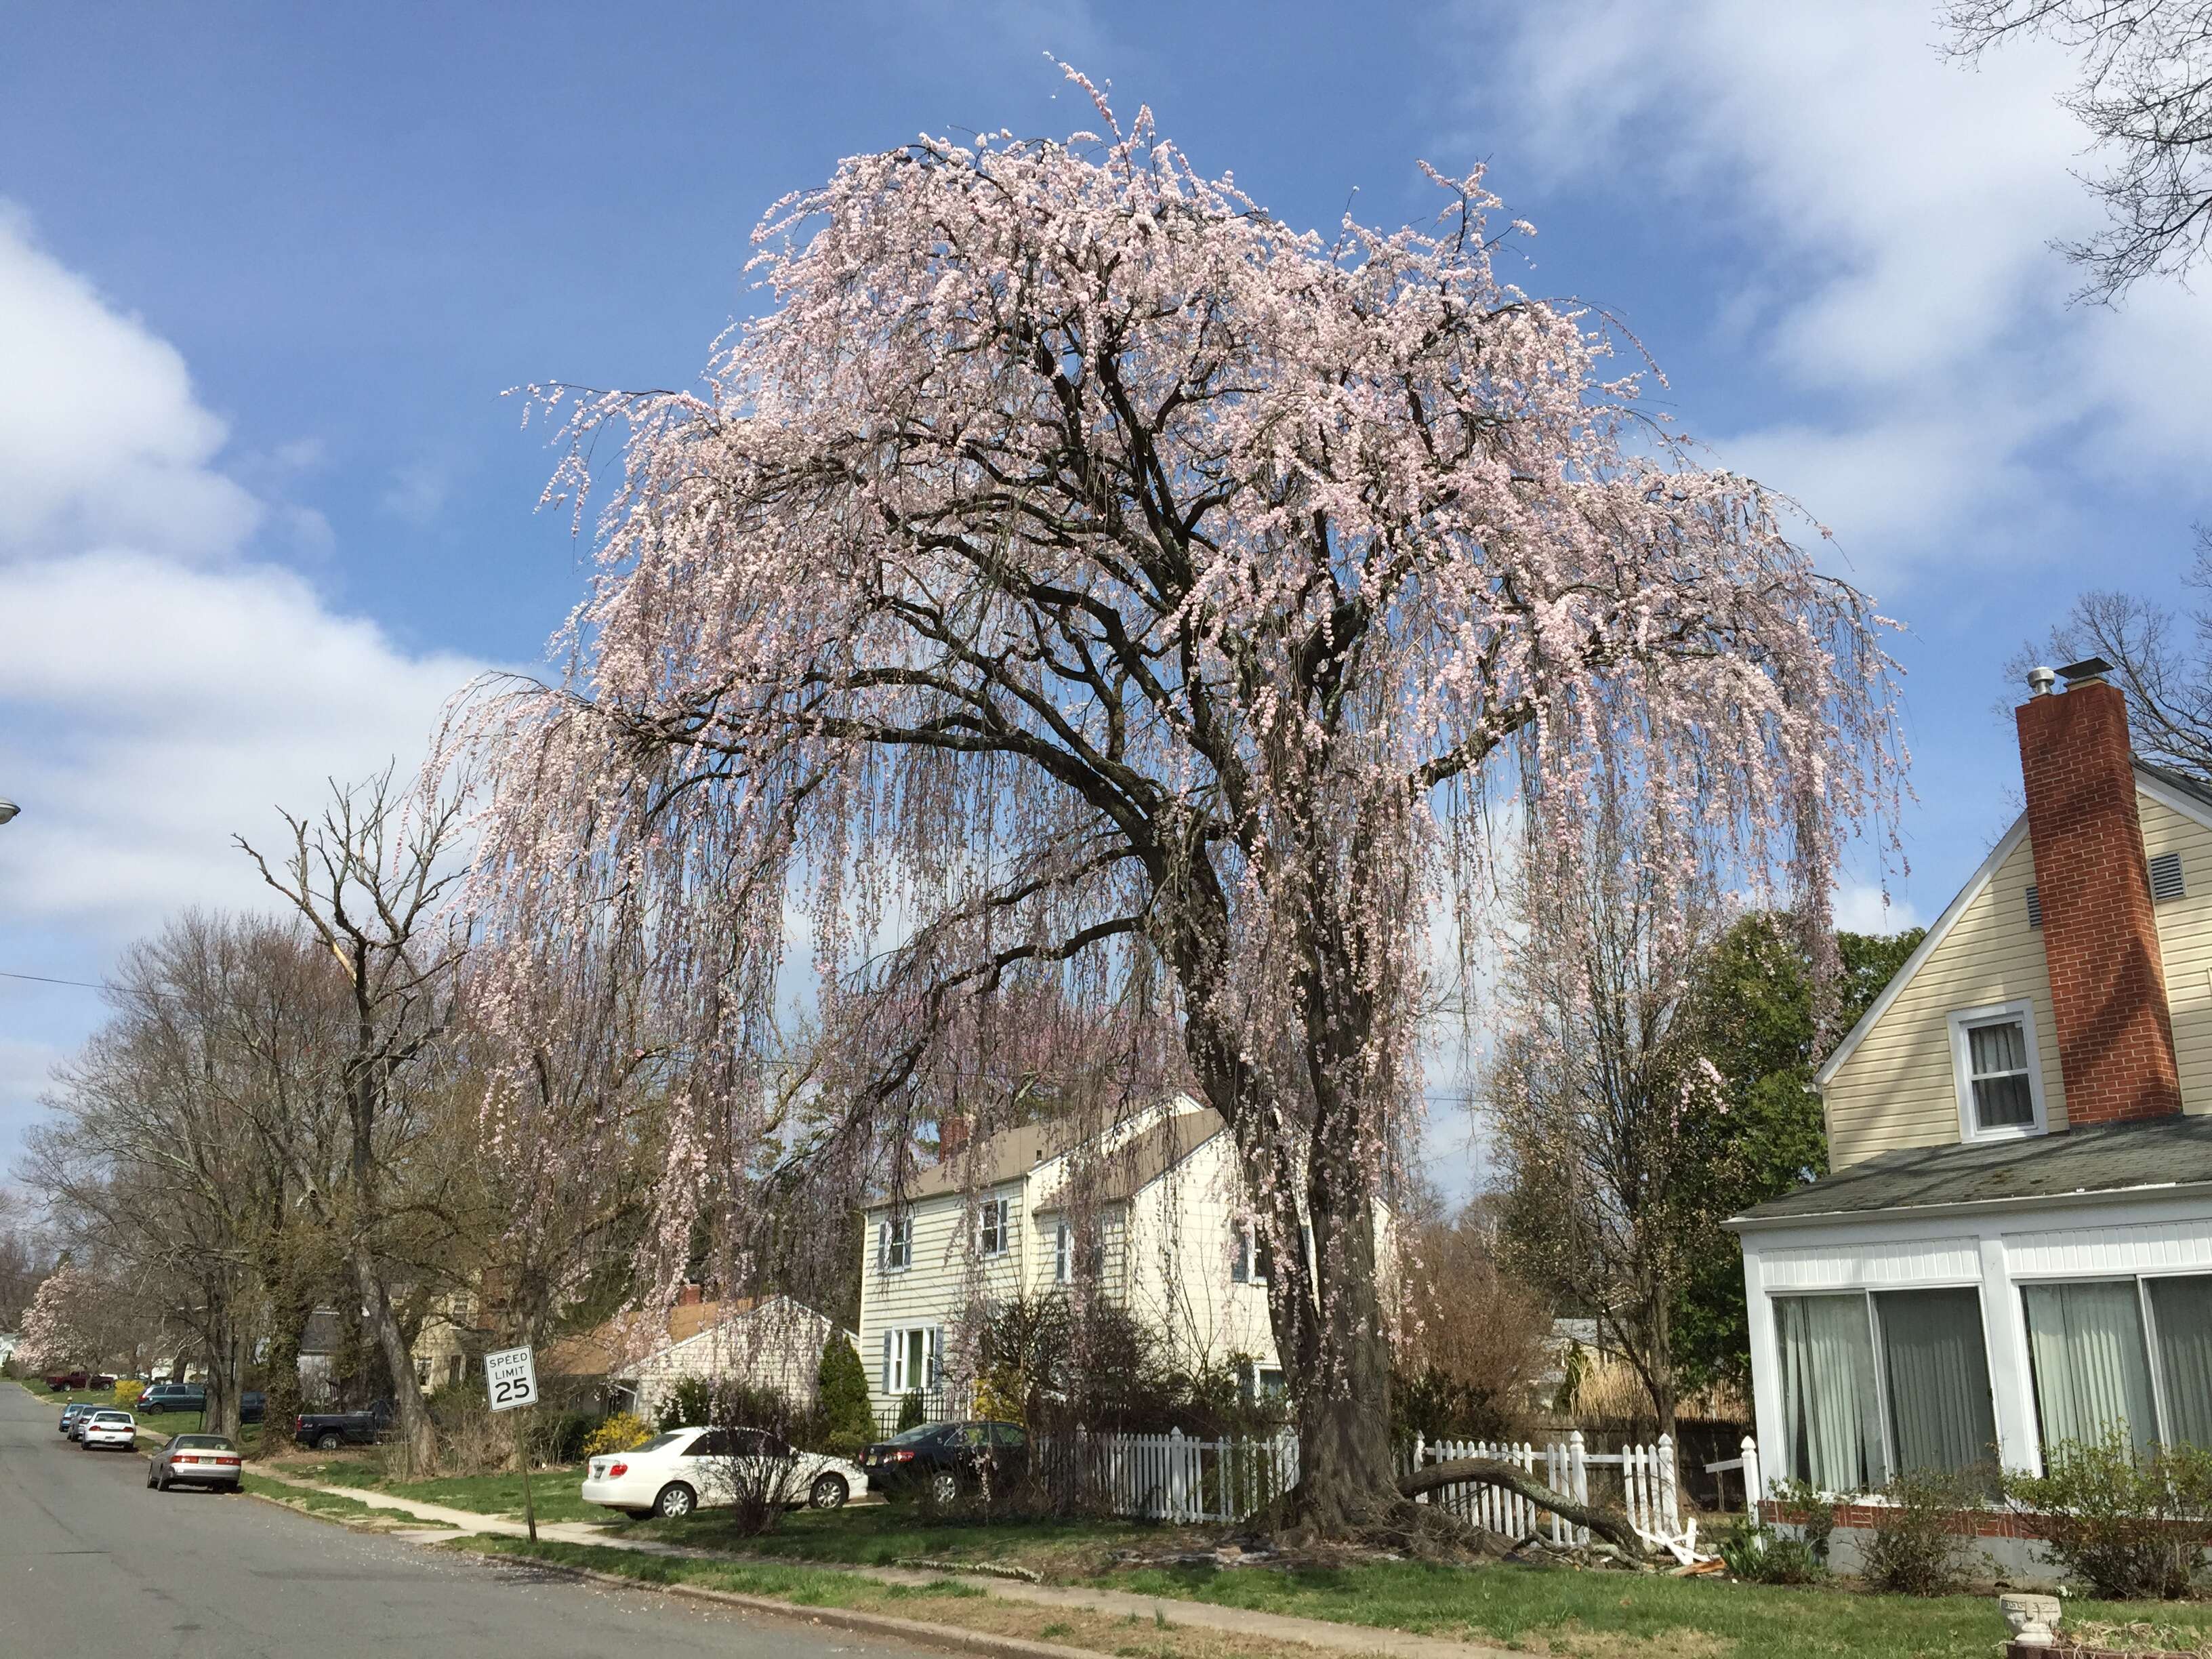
pixel 1196 1615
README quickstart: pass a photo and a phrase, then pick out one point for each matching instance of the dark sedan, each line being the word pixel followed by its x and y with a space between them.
pixel 946 1459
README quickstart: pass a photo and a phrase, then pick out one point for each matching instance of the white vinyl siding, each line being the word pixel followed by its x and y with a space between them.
pixel 1898 1086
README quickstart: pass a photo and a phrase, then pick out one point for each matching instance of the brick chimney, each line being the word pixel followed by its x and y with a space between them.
pixel 2100 936
pixel 692 1295
pixel 951 1136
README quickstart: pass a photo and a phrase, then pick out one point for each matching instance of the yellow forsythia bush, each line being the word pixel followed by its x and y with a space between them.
pixel 127 1392
pixel 619 1433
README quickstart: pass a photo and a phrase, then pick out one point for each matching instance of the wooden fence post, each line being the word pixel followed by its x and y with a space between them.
pixel 1752 1491
pixel 1579 1478
pixel 1670 1516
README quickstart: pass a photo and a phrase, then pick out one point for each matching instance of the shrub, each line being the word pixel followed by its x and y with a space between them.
pixel 1751 1550
pixel 912 1414
pixel 127 1392
pixel 619 1433
pixel 1817 1515
pixel 690 1404
pixel 1919 1545
pixel 841 1397
pixel 560 1438
pixel 2128 1522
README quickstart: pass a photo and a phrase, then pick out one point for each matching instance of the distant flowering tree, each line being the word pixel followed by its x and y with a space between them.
pixel 61 1327
pixel 1080 590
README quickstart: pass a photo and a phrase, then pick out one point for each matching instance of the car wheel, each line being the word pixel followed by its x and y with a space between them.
pixel 829 1491
pixel 676 1500
pixel 328 1443
pixel 150 1478
pixel 944 1488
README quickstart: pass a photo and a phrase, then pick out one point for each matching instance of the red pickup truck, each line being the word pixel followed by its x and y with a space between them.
pixel 63 1381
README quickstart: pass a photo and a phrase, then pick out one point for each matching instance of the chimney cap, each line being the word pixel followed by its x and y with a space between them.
pixel 2083 672
pixel 2041 680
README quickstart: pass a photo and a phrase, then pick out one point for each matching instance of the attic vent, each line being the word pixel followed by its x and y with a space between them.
pixel 2166 876
pixel 2034 908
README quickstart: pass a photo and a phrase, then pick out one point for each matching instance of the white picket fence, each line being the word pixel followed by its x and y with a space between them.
pixel 1172 1477
pixel 1648 1488
pixel 1179 1478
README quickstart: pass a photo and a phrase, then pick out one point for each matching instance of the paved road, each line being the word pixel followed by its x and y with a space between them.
pixel 92 1564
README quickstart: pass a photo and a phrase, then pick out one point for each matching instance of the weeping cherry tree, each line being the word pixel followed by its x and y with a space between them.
pixel 1077 584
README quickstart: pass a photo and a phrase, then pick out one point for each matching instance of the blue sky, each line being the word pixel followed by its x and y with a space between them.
pixel 264 273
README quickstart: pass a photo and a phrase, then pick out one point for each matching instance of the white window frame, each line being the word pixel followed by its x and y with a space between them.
pixel 1062 1251
pixel 1247 1268
pixel 900 1381
pixel 1964 1020
pixel 894 1243
pixel 993 1220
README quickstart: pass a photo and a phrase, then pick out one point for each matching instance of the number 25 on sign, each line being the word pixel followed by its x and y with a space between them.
pixel 511 1379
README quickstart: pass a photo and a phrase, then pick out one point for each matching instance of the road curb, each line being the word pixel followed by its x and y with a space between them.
pixel 943 1637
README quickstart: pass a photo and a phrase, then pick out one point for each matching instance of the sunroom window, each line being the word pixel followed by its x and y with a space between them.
pixel 2122 1355
pixel 1876 1385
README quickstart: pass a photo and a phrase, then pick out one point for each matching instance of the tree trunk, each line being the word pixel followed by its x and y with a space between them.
pixel 1608 1524
pixel 418 1438
pixel 1347 1471
pixel 226 1364
pixel 287 1329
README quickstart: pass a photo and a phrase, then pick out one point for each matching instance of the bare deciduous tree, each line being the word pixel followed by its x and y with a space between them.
pixel 370 876
pixel 2162 659
pixel 2145 94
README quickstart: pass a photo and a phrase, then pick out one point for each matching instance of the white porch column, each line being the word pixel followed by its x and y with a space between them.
pixel 2004 1332
pixel 1766 1370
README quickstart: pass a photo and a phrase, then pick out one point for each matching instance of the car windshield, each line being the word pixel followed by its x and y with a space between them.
pixel 660 1442
pixel 915 1437
pixel 201 1443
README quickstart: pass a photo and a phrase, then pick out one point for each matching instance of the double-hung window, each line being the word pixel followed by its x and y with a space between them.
pixel 991 1226
pixel 894 1243
pixel 1879 1384
pixel 2130 1357
pixel 1078 1254
pixel 1251 1264
pixel 2000 1083
pixel 913 1358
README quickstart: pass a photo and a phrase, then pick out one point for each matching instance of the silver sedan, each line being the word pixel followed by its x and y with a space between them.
pixel 195 1460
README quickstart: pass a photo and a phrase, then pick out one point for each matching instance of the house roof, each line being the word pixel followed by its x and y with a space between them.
pixel 1005 1156
pixel 2117 1158
pixel 2183 794
pixel 608 1347
pixel 1144 1159
pixel 1012 1153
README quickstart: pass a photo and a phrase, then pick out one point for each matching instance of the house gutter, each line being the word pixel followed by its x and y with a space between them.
pixel 2080 1196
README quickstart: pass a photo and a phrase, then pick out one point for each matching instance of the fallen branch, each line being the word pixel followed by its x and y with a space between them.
pixel 1608 1524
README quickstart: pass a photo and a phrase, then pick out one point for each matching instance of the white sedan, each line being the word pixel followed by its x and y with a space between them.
pixel 109 1429
pixel 688 1469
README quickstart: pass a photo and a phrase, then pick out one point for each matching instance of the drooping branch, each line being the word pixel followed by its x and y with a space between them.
pixel 1609 1524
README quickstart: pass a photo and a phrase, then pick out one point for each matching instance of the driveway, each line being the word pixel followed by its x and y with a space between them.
pixel 92 1562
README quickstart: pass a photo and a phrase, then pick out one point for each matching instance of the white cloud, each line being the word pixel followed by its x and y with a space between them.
pixel 181 706
pixel 161 687
pixel 1879 219
pixel 418 491
pixel 100 436
pixel 1863 907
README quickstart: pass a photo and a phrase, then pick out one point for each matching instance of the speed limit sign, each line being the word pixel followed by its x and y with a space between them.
pixel 511 1379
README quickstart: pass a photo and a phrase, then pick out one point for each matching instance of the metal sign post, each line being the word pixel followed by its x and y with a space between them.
pixel 511 1383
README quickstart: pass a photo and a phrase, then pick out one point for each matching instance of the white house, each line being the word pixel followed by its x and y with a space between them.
pixel 1147 1212
pixel 2014 1248
pixel 776 1344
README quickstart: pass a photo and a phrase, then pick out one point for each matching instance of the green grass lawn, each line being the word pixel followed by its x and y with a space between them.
pixel 1500 1604
pixel 878 1535
pixel 555 1489
pixel 330 1504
